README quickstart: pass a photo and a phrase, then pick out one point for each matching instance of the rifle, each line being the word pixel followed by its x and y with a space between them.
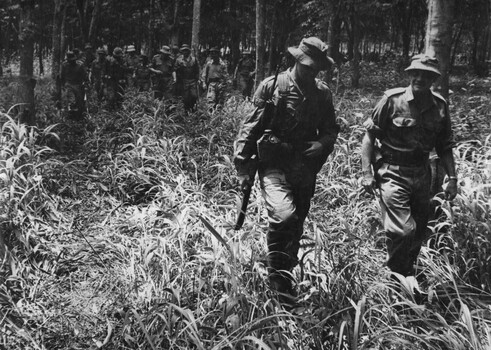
pixel 246 191
pixel 253 164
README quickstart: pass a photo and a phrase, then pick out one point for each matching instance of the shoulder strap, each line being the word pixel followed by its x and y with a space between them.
pixel 283 90
pixel 283 86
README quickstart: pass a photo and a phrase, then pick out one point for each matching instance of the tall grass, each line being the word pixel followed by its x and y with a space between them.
pixel 142 255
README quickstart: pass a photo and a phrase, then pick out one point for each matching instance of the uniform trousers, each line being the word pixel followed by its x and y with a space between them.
pixel 287 200
pixel 404 199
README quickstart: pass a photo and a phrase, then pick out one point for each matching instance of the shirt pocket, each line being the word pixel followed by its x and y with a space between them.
pixel 404 131
pixel 404 122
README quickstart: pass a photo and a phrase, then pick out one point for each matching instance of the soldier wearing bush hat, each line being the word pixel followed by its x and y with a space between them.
pixel 406 125
pixel 132 61
pixel 72 77
pixel 244 73
pixel 185 47
pixel 97 72
pixel 163 74
pixel 292 138
pixel 187 75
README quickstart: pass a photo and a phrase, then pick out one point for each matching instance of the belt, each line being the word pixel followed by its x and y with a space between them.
pixel 414 158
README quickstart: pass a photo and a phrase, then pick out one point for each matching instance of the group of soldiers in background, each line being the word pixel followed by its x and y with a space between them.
pixel 169 74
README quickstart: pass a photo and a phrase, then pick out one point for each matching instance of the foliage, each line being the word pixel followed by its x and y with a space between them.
pixel 131 244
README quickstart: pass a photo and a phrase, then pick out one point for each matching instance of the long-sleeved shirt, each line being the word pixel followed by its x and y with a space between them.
pixel 305 118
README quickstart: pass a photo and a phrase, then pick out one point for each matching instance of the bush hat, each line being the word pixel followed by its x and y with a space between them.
pixel 424 62
pixel 70 56
pixel 101 51
pixel 185 47
pixel 118 52
pixel 214 49
pixel 312 52
pixel 130 48
pixel 165 50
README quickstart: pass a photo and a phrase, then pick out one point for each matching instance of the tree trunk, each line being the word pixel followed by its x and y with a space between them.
pixel 151 35
pixel 83 19
pixel 480 34
pixel 57 45
pixel 1 60
pixel 260 14
pixel 26 52
pixel 355 25
pixel 40 57
pixel 235 34
pixel 272 42
pixel 175 28
pixel 334 38
pixel 196 27
pixel 94 20
pixel 403 14
pixel 439 38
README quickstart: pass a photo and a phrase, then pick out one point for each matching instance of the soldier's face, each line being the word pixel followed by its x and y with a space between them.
pixel 306 73
pixel 421 80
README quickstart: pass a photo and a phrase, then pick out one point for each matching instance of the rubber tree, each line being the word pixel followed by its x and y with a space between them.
pixel 260 14
pixel 196 27
pixel 27 113
pixel 438 41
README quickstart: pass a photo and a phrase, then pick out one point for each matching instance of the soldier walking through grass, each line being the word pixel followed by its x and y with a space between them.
pixel 116 78
pixel 408 122
pixel 163 78
pixel 292 130
pixel 97 72
pixel 187 76
pixel 215 78
pixel 244 73
pixel 73 78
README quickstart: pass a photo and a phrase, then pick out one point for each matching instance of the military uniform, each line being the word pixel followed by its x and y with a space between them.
pixel 162 83
pixel 244 74
pixel 407 134
pixel 115 79
pixel 143 77
pixel 97 72
pixel 73 76
pixel 132 61
pixel 187 75
pixel 215 76
pixel 287 182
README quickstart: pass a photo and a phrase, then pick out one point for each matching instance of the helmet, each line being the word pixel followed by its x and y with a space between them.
pixel 88 46
pixel 118 52
pixel 101 51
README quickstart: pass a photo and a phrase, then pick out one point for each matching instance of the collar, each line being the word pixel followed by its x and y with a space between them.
pixel 410 97
pixel 292 81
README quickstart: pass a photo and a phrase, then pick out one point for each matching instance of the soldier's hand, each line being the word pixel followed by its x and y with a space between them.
pixel 314 150
pixel 245 182
pixel 451 190
pixel 368 182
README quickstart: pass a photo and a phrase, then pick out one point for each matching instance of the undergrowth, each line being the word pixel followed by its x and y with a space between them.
pixel 119 235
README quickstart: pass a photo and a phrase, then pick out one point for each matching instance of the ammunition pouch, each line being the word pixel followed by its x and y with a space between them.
pixel 268 147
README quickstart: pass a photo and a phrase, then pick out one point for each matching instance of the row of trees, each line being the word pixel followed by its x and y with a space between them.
pixel 354 29
pixel 373 26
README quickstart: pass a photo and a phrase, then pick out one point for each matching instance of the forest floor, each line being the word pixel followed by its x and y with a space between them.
pixel 122 237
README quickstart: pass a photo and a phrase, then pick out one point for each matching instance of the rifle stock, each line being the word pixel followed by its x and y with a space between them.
pixel 246 193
